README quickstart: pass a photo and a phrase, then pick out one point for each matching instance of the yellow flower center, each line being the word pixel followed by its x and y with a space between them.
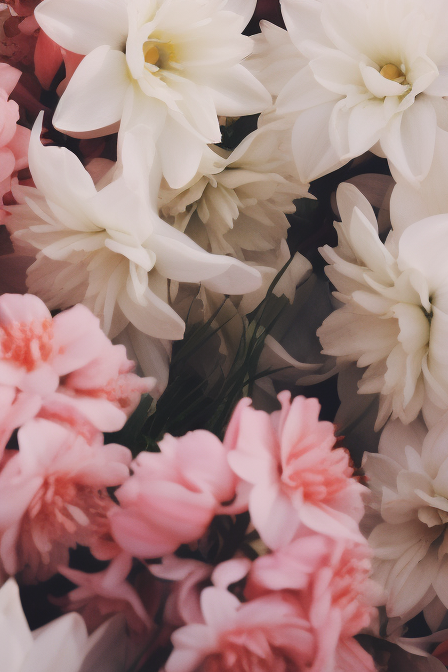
pixel 152 54
pixel 391 71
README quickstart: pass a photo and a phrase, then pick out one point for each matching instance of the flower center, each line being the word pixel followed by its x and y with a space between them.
pixel 392 72
pixel 158 55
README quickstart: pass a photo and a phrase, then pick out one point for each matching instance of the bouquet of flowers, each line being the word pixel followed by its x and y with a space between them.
pixel 223 336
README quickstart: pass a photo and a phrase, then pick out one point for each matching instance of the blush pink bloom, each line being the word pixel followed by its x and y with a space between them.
pixel 53 496
pixel 268 634
pixel 295 473
pixel 172 496
pixel 63 368
pixel 14 139
pixel 330 580
pixel 99 595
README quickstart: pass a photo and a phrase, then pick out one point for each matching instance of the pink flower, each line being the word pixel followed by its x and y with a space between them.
pixel 268 634
pixel 172 496
pixel 304 604
pixel 53 496
pixel 14 139
pixel 101 594
pixel 330 580
pixel 63 368
pixel 296 475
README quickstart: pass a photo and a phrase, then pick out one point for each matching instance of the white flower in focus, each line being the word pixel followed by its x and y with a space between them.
pixel 107 248
pixel 394 320
pixel 62 644
pixel 172 65
pixel 375 80
pixel 237 200
pixel 409 481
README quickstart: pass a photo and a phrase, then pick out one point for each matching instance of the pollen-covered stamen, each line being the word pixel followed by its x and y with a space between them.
pixel 152 54
pixel 392 72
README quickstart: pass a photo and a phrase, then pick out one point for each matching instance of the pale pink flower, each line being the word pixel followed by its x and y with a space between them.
pixel 172 496
pixel 268 634
pixel 14 139
pixel 64 368
pixel 53 495
pixel 188 577
pixel 330 579
pixel 99 595
pixel 296 474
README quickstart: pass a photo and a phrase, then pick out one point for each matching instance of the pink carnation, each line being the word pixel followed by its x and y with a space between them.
pixel 172 496
pixel 330 579
pixel 268 634
pixel 14 139
pixel 303 605
pixel 295 473
pixel 53 496
pixel 63 368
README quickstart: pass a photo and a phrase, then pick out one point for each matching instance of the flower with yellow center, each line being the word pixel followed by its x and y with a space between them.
pixel 372 77
pixel 171 66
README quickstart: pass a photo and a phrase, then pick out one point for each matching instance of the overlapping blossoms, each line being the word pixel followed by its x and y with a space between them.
pixel 107 247
pixel 394 318
pixel 374 80
pixel 171 65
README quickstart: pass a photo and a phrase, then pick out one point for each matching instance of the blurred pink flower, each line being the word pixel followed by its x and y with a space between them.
pixel 296 474
pixel 99 595
pixel 63 368
pixel 53 496
pixel 330 579
pixel 268 633
pixel 172 496
pixel 14 139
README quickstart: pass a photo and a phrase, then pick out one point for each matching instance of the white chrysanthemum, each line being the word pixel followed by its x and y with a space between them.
pixel 409 481
pixel 375 79
pixel 395 318
pixel 237 200
pixel 108 248
pixel 62 644
pixel 173 65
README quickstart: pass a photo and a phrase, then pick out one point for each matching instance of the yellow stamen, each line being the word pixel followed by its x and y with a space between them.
pixel 152 55
pixel 391 71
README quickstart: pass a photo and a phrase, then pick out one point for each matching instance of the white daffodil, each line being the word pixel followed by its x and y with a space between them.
pixel 394 320
pixel 63 644
pixel 408 479
pixel 172 65
pixel 108 248
pixel 375 79
pixel 237 200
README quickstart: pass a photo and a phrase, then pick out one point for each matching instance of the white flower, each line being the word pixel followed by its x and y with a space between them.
pixel 395 317
pixel 375 79
pixel 172 65
pixel 275 59
pixel 63 644
pixel 237 200
pixel 109 249
pixel 409 481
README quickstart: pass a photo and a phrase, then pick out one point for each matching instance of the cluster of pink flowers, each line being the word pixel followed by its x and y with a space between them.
pixel 62 384
pixel 295 607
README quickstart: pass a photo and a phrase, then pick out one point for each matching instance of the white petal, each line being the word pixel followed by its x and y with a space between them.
pixel 59 645
pixel 82 25
pixel 244 8
pixel 303 91
pixel 93 100
pixel 409 141
pixel 237 92
pixel 303 21
pixel 380 86
pixel 313 152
